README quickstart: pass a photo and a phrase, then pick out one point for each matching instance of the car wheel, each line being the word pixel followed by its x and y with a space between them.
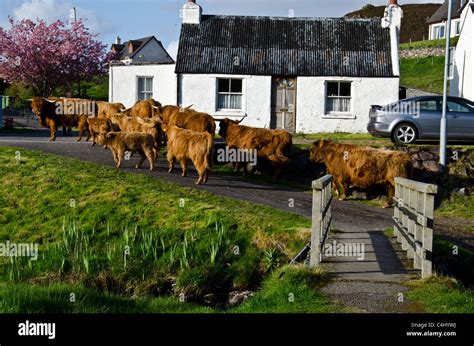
pixel 404 134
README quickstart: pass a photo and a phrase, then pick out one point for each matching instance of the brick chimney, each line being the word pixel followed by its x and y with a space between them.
pixel 191 13
pixel 393 20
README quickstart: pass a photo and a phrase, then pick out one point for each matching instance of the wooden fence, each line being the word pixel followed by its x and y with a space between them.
pixel 413 216
pixel 321 217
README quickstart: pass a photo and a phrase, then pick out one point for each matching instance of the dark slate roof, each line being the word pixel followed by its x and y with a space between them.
pixel 285 46
pixel 137 44
pixel 442 13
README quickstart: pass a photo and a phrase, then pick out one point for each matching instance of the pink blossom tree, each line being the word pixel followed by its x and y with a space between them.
pixel 47 56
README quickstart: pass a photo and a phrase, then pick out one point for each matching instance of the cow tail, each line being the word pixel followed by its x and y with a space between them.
pixel 209 151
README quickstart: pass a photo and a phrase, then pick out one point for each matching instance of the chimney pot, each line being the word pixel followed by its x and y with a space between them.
pixel 118 40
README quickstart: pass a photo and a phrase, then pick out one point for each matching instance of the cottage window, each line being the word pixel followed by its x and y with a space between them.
pixel 439 31
pixel 458 28
pixel 338 97
pixel 229 94
pixel 145 88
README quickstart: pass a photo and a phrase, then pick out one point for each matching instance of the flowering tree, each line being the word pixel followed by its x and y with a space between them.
pixel 46 56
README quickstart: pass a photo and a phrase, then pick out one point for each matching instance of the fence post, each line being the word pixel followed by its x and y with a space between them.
pixel 321 217
pixel 413 216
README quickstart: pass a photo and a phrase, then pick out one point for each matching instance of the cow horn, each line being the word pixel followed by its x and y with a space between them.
pixel 50 101
pixel 29 100
pixel 189 107
pixel 245 116
pixel 125 109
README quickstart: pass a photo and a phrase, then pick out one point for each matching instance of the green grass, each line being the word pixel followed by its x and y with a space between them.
pixel 457 206
pixel 180 240
pixel 291 290
pixel 423 73
pixel 441 295
pixel 429 44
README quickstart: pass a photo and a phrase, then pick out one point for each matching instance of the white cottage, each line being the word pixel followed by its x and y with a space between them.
pixel 462 84
pixel 301 74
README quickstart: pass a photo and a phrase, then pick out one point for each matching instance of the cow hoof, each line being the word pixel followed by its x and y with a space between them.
pixel 170 171
pixel 137 167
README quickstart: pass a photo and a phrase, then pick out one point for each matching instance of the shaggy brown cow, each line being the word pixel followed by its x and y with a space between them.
pixel 143 109
pixel 98 127
pixel 135 142
pixel 361 167
pixel 272 145
pixel 55 112
pixel 136 124
pixel 187 118
pixel 105 110
pixel 185 145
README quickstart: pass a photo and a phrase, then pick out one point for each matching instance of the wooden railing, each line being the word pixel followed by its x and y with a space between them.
pixel 321 217
pixel 413 216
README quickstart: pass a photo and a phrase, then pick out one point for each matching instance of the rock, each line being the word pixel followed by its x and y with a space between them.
pixel 431 166
pixel 238 297
pixel 359 195
pixel 426 155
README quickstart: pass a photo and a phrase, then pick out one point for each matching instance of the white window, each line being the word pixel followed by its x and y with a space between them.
pixel 458 28
pixel 438 31
pixel 145 88
pixel 338 97
pixel 229 94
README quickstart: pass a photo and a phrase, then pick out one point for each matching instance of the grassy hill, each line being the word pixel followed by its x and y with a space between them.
pixel 423 73
pixel 414 24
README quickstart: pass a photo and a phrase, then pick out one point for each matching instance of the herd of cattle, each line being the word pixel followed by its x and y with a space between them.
pixel 190 134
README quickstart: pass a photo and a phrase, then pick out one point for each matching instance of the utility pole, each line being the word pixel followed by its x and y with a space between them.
pixel 74 15
pixel 443 124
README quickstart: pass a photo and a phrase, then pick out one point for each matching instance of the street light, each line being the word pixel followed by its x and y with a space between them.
pixel 447 63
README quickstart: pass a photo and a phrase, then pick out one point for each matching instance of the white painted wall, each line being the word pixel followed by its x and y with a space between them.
pixel 200 90
pixel 123 83
pixel 462 84
pixel 310 111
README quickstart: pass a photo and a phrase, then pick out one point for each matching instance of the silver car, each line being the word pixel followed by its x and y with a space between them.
pixel 419 117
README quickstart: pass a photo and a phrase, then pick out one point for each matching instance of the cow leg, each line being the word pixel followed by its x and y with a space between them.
pixel 391 193
pixel 52 131
pixel 150 154
pixel 206 175
pixel 120 154
pixel 184 167
pixel 170 159
pixel 81 132
pixel 142 159
pixel 69 131
pixel 64 130
pixel 345 188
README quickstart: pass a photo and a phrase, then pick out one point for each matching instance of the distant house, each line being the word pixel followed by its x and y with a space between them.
pixel 463 79
pixel 439 19
pixel 142 69
pixel 300 74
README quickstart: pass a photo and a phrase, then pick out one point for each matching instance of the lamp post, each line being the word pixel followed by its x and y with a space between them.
pixel 443 125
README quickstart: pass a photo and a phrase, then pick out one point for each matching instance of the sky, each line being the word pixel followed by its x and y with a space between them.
pixel 132 19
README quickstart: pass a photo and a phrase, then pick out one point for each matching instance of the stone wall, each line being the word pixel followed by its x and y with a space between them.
pixel 422 52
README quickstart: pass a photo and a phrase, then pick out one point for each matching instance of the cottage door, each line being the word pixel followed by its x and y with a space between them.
pixel 283 104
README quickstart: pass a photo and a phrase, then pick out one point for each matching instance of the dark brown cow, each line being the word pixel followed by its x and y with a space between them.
pixel 361 167
pixel 55 112
pixel 185 145
pixel 271 145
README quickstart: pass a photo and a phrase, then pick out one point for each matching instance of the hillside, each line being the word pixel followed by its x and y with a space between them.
pixel 414 24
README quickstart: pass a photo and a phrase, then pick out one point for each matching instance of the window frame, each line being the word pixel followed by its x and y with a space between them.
pixel 326 97
pixel 144 92
pixel 219 94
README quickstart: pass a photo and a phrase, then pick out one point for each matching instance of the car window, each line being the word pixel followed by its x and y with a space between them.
pixel 428 105
pixel 458 106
